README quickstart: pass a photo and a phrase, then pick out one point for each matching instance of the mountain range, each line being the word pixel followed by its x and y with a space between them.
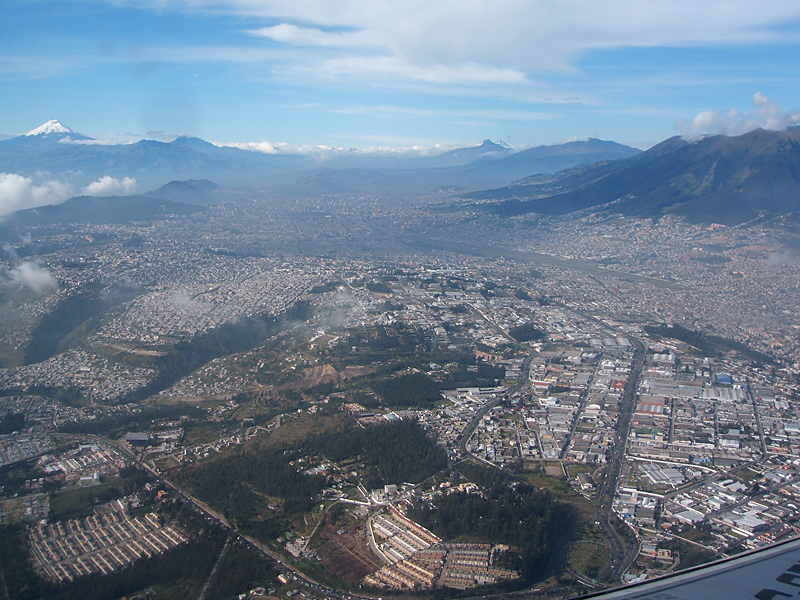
pixel 722 179
pixel 77 159
pixel 728 180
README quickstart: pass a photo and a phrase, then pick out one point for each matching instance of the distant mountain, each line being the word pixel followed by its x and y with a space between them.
pixel 550 159
pixel 465 156
pixel 55 129
pixel 55 151
pixel 491 164
pixel 197 191
pixel 720 179
pixel 45 138
pixel 52 149
pixel 98 210
pixel 195 143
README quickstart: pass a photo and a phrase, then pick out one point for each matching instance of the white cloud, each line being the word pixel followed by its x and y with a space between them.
pixel 766 115
pixel 446 42
pixel 184 301
pixel 32 276
pixel 265 147
pixel 110 186
pixel 123 139
pixel 401 147
pixel 310 36
pixel 18 193
pixel 519 35
pixel 394 67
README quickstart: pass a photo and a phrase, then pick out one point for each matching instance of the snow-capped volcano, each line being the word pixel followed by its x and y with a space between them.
pixel 53 127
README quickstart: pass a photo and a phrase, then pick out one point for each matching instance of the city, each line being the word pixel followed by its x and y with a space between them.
pixel 385 300
pixel 639 374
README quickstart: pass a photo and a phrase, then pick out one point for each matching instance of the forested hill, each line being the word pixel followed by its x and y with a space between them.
pixel 99 211
pixel 506 512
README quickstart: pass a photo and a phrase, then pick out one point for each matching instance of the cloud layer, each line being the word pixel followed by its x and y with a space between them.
pixel 110 186
pixel 18 193
pixel 459 40
pixel 31 276
pixel 766 115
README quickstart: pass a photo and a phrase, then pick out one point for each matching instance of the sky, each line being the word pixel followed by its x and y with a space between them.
pixel 398 74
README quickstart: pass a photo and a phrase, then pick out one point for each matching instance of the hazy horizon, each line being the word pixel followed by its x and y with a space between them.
pixel 440 74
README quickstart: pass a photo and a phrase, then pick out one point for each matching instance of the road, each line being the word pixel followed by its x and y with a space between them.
pixel 762 439
pixel 576 419
pixel 621 551
pixel 473 425
pixel 254 544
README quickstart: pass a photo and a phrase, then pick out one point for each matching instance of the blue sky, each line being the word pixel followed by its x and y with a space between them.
pixel 394 73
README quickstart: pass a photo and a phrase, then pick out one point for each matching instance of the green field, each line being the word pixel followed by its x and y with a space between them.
pixel 588 557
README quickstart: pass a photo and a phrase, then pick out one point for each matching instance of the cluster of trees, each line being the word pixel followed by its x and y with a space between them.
pixel 379 287
pixel 11 422
pixel 240 571
pixel 485 375
pixel 260 492
pixel 66 395
pixel 412 389
pixel 115 425
pixel 388 306
pixel 69 396
pixel 417 389
pixel 377 344
pixel 243 484
pixel 393 452
pixel 709 344
pixel 508 512
pixel 527 332
pixel 80 502
pixel 13 477
pixel 325 287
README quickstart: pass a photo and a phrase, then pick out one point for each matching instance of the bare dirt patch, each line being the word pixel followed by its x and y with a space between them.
pixel 554 470
pixel 346 555
pixel 328 374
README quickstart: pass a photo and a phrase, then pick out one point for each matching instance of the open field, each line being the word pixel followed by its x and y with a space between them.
pixel 346 555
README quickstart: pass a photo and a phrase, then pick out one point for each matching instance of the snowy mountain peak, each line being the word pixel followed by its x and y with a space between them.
pixel 491 144
pixel 49 128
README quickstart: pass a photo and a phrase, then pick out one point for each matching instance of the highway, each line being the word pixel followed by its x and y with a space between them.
pixel 621 551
